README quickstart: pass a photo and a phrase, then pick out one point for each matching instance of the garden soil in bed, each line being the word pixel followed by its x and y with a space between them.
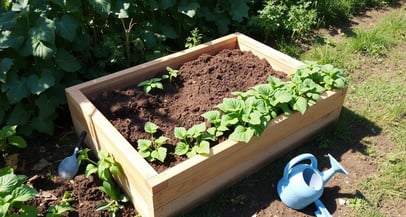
pixel 201 85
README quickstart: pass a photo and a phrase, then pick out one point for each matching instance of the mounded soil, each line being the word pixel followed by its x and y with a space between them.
pixel 201 85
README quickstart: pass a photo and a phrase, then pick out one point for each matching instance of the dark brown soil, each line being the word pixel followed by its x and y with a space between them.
pixel 199 87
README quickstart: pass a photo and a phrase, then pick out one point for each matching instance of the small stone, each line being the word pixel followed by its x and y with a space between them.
pixel 341 201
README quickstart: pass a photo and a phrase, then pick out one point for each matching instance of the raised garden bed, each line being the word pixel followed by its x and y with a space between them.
pixel 184 185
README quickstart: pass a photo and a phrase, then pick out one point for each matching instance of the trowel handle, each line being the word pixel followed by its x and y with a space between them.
pixel 81 138
pixel 297 159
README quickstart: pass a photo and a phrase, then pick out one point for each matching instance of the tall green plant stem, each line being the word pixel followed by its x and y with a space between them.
pixel 127 37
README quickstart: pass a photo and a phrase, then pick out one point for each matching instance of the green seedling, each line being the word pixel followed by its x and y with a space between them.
pixel 13 194
pixel 172 74
pixel 218 125
pixel 8 138
pixel 151 149
pixel 193 141
pixel 195 38
pixel 151 84
pixel 106 168
pixel 63 206
pixel 248 116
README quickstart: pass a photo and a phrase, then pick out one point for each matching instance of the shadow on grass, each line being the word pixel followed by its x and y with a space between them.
pixel 258 191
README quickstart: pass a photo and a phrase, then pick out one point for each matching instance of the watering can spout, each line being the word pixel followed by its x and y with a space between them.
pixel 335 167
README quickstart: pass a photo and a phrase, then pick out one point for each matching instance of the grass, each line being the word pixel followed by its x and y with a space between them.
pixel 376 102
pixel 379 96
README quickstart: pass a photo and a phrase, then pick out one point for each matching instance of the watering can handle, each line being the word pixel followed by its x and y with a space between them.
pixel 297 159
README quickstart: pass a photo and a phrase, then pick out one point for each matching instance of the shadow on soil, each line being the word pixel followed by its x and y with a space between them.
pixel 258 191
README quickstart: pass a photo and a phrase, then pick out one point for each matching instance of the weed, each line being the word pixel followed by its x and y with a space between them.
pixel 8 138
pixel 151 84
pixel 195 38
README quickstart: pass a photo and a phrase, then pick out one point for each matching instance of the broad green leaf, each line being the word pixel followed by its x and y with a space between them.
pixel 109 189
pixel 239 10
pixel 180 132
pixel 19 115
pixel 67 61
pixel 242 134
pixel 17 141
pixel 5 66
pixel 10 39
pixel 44 124
pixel 144 153
pixel 150 127
pixel 255 118
pixel 20 5
pixel 212 116
pixel 231 105
pixel 203 148
pixel 8 182
pixel 37 85
pixel 181 148
pixel 196 130
pixel 115 169
pixel 188 8
pixel 339 83
pixel 28 211
pixel 144 144
pixel 159 154
pixel 46 106
pixel 102 7
pixel 41 49
pixel 8 131
pixel 90 169
pixel 161 140
pixel 300 105
pixel 4 209
pixel 66 27
pixel 8 20
pixel 283 96
pixel 229 119
pixel 23 193
pixel 16 88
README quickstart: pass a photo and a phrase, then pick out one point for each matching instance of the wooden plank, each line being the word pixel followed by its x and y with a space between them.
pixel 136 74
pixel 278 60
pixel 242 169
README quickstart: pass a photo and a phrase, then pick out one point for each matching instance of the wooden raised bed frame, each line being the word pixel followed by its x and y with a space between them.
pixel 185 185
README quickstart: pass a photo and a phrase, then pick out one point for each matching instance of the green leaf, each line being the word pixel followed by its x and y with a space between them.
pixel 283 96
pixel 23 193
pixel 8 20
pixel 145 153
pixel 231 105
pixel 44 124
pixel 109 189
pixel 20 5
pixel 16 88
pixel 90 169
pixel 10 39
pixel 28 211
pixel 196 130
pixel 150 127
pixel 339 83
pixel 180 132
pixel 181 148
pixel 37 85
pixel 8 182
pixel 66 27
pixel 102 6
pixel 5 66
pixel 242 134
pixel 212 116
pixel 161 140
pixel 115 169
pixel 300 105
pixel 67 61
pixel 8 131
pixel 46 106
pixel 159 154
pixel 188 8
pixel 19 115
pixel 203 148
pixel 239 10
pixel 17 141
pixel 144 144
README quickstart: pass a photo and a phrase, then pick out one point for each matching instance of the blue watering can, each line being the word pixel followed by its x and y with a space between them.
pixel 303 184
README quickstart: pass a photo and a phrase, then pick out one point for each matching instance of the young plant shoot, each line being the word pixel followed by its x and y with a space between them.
pixel 151 149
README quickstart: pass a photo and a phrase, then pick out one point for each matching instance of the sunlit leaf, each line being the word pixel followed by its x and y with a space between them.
pixel 37 85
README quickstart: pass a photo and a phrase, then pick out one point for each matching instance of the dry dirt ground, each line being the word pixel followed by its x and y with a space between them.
pixel 254 196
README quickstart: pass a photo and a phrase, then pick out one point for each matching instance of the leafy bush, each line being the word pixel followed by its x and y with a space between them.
pixel 46 46
pixel 13 194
